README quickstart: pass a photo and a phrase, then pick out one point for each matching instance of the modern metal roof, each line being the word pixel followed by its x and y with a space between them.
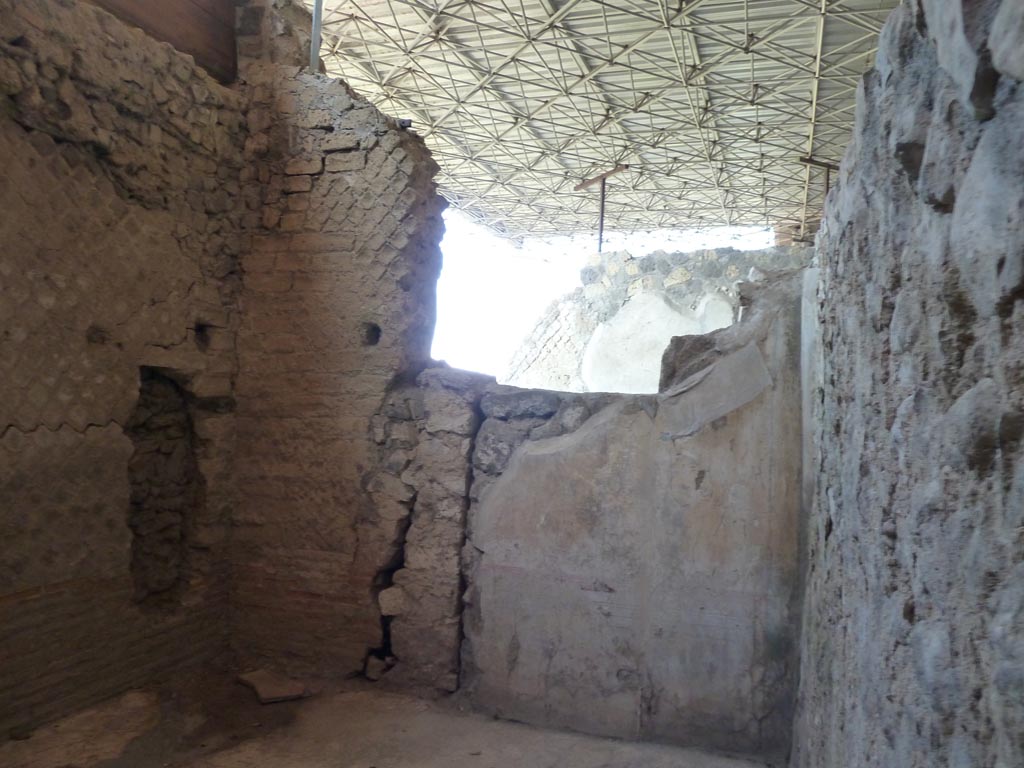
pixel 711 103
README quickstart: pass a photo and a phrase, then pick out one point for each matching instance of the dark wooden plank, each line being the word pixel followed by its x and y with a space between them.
pixel 203 28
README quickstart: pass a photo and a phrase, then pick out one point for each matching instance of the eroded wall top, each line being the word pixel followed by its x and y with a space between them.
pixel 609 335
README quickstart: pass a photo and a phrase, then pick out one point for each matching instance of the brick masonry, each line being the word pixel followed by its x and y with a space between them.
pixel 337 304
pixel 120 194
pixel 137 193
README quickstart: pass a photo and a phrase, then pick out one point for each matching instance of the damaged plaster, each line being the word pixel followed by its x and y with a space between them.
pixel 636 575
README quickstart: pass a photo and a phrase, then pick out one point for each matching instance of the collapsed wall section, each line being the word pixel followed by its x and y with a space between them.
pixel 118 251
pixel 167 492
pixel 426 432
pixel 913 642
pixel 609 334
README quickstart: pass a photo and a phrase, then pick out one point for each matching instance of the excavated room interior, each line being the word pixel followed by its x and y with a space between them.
pixel 246 520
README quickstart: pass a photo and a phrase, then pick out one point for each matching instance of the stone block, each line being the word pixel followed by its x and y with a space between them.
pixel 392 601
pixel 339 141
pixel 304 165
pixel 271 687
pixel 344 162
pixel 508 403
pixel 496 441
pixel 299 183
pixel 447 411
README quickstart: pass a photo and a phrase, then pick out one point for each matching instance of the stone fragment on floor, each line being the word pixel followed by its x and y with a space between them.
pixel 271 687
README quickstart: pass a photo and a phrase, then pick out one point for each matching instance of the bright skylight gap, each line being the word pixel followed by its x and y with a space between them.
pixel 491 292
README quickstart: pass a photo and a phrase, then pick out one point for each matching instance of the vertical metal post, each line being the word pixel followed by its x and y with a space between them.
pixel 603 179
pixel 314 43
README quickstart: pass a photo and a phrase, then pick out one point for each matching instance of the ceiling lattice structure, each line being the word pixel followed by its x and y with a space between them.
pixel 711 103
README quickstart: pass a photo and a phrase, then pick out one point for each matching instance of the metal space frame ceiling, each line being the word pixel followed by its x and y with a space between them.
pixel 712 103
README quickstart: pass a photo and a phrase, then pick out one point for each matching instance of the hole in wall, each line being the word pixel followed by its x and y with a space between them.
pixel 909 612
pixel 166 486
pixel 370 334
pixel 381 658
pixel 497 303
pixel 983 92
pixel 201 334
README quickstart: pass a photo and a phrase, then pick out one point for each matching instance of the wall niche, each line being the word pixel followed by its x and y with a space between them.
pixel 166 486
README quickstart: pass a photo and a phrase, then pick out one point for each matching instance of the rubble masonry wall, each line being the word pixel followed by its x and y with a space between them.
pixel 913 641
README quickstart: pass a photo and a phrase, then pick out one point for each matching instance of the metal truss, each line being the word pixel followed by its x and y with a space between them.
pixel 711 103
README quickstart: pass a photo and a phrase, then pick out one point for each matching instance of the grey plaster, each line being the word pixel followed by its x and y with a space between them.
pixel 636 577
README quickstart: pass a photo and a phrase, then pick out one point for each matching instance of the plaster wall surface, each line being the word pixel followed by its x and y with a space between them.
pixel 913 640
pixel 624 353
pixel 118 249
pixel 631 561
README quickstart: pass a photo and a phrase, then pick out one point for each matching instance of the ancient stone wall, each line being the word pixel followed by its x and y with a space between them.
pixel 338 309
pixel 121 203
pixel 426 432
pixel 913 644
pixel 631 561
pixel 137 193
pixel 609 334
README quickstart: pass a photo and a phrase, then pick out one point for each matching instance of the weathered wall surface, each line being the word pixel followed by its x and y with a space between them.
pixel 426 431
pixel 137 192
pixel 609 334
pixel 119 191
pixel 913 646
pixel 338 306
pixel 204 29
pixel 632 561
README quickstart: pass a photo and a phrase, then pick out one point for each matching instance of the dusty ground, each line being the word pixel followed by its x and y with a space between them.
pixel 215 723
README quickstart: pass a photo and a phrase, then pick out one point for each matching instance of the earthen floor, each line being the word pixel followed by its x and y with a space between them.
pixel 216 725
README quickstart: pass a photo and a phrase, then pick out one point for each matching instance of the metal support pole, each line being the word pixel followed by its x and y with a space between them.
pixel 314 43
pixel 819 163
pixel 600 177
pixel 829 167
pixel 603 178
